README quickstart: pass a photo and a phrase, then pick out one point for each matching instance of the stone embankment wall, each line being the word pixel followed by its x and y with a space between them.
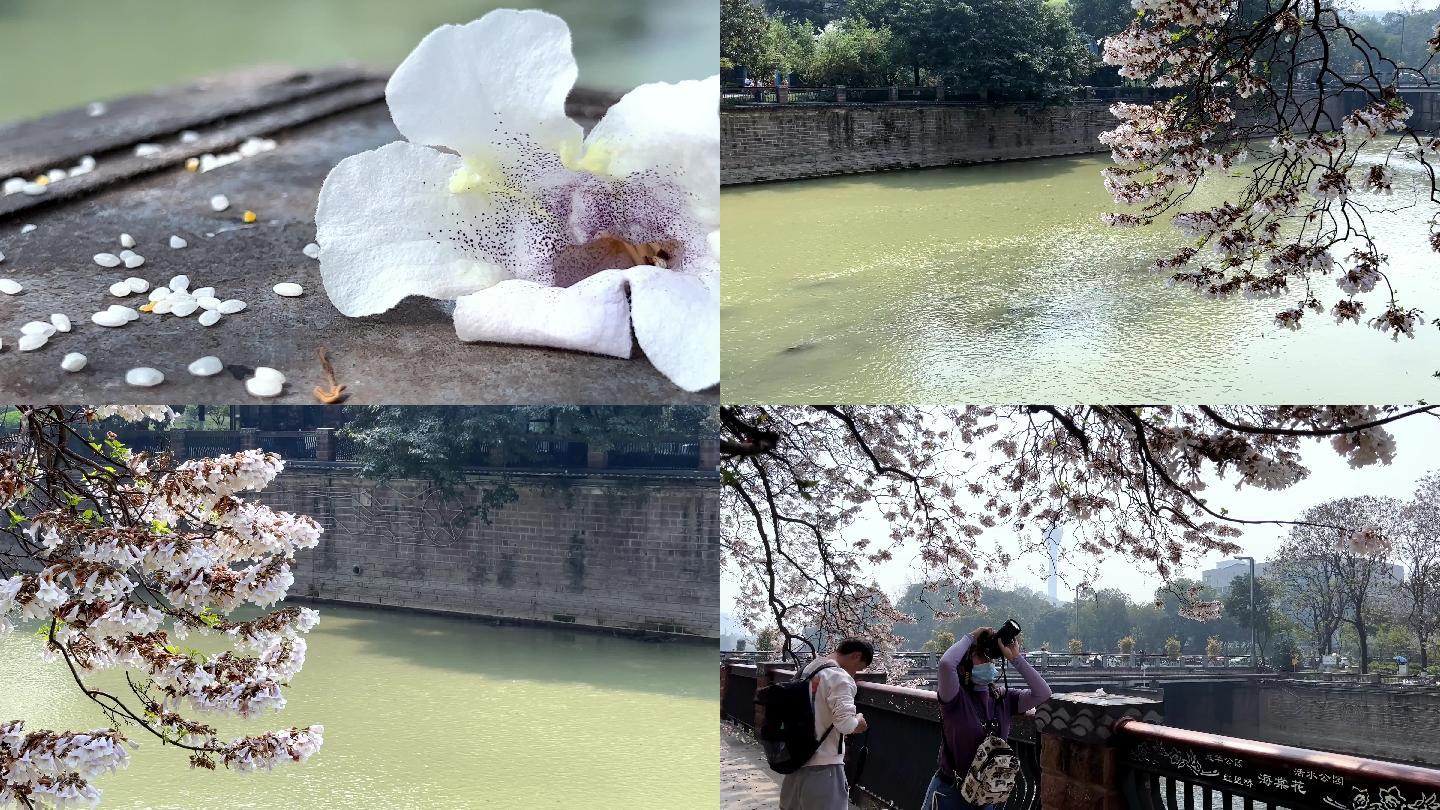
pixel 627 552
pixel 759 144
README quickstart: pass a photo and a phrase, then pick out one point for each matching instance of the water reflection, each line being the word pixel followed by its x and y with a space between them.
pixel 431 712
pixel 998 283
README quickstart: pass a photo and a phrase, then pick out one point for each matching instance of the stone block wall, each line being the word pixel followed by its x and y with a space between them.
pixel 628 552
pixel 787 143
pixel 1397 723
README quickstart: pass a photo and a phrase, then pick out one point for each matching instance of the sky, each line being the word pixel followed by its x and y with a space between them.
pixel 1418 453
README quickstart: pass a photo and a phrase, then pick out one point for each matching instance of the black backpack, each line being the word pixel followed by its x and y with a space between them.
pixel 788 733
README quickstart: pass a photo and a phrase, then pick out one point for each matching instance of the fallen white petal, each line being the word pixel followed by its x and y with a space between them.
pixel 178 243
pixel 10 286
pixel 72 362
pixel 209 317
pixel 591 316
pixel 107 260
pixel 61 321
pixel 144 377
pixel 29 343
pixel 289 289
pixel 219 202
pixel 126 240
pixel 137 284
pixel 206 366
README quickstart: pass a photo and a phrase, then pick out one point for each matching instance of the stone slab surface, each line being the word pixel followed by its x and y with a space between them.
pixel 746 783
pixel 407 356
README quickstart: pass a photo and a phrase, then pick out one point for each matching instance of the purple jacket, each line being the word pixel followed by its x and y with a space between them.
pixel 963 712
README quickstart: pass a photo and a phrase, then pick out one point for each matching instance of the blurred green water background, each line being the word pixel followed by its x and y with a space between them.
pixel 56 54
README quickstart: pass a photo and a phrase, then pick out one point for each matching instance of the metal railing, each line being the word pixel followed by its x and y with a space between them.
pixel 1164 768
pixel 737 96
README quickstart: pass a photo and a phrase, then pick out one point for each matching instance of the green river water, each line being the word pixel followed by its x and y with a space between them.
pixel 436 713
pixel 55 54
pixel 998 283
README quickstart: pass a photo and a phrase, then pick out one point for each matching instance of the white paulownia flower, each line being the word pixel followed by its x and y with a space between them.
pixel 542 235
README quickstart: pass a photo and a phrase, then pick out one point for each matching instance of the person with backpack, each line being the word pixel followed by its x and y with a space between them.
pixel 973 710
pixel 820 783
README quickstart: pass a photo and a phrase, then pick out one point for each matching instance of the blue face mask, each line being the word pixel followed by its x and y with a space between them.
pixel 985 674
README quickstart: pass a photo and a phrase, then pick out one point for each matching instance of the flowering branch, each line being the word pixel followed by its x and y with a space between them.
pixel 1273 71
pixel 1123 480
pixel 120 555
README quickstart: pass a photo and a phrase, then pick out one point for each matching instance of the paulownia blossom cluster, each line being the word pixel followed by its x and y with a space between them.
pixel 816 497
pixel 1276 77
pixel 120 556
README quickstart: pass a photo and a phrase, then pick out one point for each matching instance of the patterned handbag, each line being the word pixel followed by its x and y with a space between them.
pixel 995 768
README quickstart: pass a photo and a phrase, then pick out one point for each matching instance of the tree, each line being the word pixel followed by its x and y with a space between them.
pixel 1076 646
pixel 742 32
pixel 1127 481
pixel 1310 594
pixel 765 640
pixel 1276 72
pixel 852 52
pixel 1172 648
pixel 1237 604
pixel 1417 548
pixel 1126 645
pixel 1213 647
pixel 1356 561
pixel 940 642
pixel 1096 19
pixel 118 557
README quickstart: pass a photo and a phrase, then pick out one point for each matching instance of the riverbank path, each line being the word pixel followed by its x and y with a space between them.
pixel 745 781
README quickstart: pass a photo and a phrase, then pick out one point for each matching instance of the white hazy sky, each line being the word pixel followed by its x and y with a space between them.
pixel 1418 453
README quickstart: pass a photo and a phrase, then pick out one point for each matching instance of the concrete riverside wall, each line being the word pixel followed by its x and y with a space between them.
pixel 787 143
pixel 627 552
pixel 1396 723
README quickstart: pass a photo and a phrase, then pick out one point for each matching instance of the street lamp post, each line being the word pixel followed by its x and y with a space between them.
pixel 1254 658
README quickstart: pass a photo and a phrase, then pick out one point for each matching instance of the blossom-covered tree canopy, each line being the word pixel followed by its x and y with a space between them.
pixel 118 557
pixel 1264 86
pixel 946 482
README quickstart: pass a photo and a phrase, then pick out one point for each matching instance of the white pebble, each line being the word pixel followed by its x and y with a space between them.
pixel 219 202
pixel 209 317
pixel 203 292
pixel 133 261
pixel 110 318
pixel 231 306
pixel 29 343
pixel 144 377
pixel 180 283
pixel 267 382
pixel 183 307
pixel 178 243
pixel 289 289
pixel 159 293
pixel 34 189
pixel 120 289
pixel 137 284
pixel 147 149
pixel 61 321
pixel 24 229
pixel 38 328
pixel 126 240
pixel 10 286
pixel 107 260
pixel 74 361
pixel 206 366
pixel 189 136
pixel 14 185
pixel 95 109
pixel 208 302
pixel 312 250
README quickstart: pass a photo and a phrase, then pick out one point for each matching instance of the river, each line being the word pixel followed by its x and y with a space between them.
pixel 55 55
pixel 432 712
pixel 998 283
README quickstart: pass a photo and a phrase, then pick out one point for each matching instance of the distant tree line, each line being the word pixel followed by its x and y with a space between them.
pixel 1001 49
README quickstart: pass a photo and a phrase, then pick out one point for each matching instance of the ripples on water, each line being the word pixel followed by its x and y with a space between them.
pixel 998 283
pixel 430 712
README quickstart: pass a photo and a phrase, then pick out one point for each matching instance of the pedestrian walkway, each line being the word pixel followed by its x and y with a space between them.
pixel 746 783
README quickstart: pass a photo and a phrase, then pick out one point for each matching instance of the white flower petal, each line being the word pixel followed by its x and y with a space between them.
pixel 391 229
pixel 466 86
pixel 677 322
pixel 671 129
pixel 591 316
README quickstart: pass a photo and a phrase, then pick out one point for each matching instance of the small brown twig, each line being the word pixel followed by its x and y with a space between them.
pixel 335 392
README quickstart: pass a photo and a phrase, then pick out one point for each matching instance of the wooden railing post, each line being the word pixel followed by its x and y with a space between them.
pixel 1079 749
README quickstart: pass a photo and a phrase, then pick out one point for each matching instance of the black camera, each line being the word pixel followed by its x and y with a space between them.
pixel 1006 634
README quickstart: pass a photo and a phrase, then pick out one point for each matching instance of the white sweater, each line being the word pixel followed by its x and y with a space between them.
pixel 832 693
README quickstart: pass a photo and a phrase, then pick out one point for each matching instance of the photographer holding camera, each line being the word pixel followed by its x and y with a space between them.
pixel 975 712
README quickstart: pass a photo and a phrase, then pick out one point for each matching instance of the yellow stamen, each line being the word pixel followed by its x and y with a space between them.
pixel 193 165
pixel 249 217
pixel 150 307
pixel 42 180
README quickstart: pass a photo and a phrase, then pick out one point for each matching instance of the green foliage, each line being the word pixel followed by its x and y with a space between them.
pixel 1172 648
pixel 766 640
pixel 742 28
pixel 1285 654
pixel 1213 647
pixel 940 642
pixel 1126 645
pixel 853 53
pixel 1075 646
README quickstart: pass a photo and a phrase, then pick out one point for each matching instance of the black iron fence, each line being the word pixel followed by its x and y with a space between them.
pixel 736 95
